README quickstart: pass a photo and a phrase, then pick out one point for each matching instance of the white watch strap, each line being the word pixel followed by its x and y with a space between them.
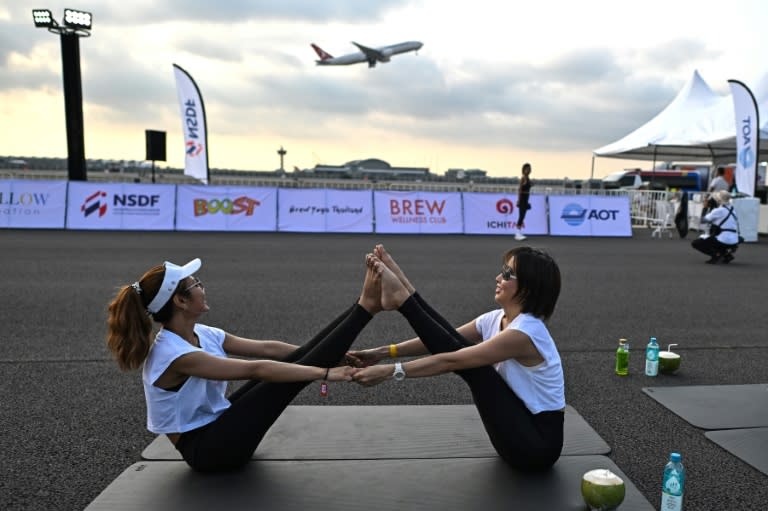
pixel 399 369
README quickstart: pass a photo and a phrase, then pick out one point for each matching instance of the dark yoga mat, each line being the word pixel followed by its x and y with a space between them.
pixel 386 432
pixel 716 406
pixel 749 445
pixel 446 484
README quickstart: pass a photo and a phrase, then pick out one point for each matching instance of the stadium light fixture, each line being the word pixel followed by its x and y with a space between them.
pixel 78 19
pixel 43 18
pixel 77 24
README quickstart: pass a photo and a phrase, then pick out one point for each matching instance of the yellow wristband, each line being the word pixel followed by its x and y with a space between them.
pixel 393 351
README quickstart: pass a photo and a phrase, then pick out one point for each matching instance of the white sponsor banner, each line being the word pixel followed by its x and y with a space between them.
pixel 588 215
pixel 747 136
pixel 225 208
pixel 193 125
pixel 496 213
pixel 116 206
pixel 33 204
pixel 325 210
pixel 418 212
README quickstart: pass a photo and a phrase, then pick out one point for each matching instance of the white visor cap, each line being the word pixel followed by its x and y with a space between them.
pixel 173 275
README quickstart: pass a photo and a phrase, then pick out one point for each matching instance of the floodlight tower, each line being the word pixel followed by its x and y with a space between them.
pixel 76 24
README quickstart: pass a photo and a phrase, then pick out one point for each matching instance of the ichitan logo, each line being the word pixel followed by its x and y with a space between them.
pixel 95 203
pixel 505 206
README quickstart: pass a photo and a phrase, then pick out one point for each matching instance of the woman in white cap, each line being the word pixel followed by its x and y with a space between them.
pixel 723 237
pixel 186 369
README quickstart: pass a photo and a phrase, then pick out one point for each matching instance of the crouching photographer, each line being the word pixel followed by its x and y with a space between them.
pixel 723 238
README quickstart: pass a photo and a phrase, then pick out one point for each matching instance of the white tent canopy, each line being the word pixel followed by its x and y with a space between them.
pixel 697 125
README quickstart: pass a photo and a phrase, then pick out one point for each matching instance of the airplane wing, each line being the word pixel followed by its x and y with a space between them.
pixel 372 55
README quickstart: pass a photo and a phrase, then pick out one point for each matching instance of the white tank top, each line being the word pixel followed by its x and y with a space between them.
pixel 199 401
pixel 541 387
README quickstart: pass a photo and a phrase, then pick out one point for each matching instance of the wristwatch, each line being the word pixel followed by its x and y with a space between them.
pixel 399 373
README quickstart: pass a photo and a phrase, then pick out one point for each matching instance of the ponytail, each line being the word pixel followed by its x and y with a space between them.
pixel 129 325
pixel 129 329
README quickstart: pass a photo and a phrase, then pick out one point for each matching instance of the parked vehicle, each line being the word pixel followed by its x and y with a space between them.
pixel 635 179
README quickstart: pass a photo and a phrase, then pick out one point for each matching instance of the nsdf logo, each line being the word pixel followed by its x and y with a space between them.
pixel 95 203
pixel 575 214
pixel 98 204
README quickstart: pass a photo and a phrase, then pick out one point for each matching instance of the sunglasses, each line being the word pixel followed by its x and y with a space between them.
pixel 508 273
pixel 198 283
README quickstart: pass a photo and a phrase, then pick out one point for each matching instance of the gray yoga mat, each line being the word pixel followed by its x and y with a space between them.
pixel 716 406
pixel 386 432
pixel 426 484
pixel 749 445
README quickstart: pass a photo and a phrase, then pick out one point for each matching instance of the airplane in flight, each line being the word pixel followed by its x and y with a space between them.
pixel 370 55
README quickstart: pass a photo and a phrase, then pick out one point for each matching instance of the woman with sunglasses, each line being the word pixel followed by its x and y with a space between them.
pixel 186 369
pixel 506 356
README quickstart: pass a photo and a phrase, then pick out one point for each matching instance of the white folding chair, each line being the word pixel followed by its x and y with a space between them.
pixel 665 219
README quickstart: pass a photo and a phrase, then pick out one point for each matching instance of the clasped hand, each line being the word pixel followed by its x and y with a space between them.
pixel 367 373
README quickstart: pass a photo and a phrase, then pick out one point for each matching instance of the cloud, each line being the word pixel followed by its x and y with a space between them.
pixel 246 10
pixel 255 82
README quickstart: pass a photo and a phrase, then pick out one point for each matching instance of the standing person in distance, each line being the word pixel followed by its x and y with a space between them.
pixel 719 183
pixel 523 204
pixel 186 367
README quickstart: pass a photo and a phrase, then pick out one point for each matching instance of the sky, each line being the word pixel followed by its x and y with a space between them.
pixel 495 85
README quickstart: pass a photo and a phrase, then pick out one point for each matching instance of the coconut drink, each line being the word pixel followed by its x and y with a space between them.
pixel 602 489
pixel 668 362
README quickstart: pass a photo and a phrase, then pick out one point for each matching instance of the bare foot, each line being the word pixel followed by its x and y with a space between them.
pixel 370 297
pixel 393 292
pixel 380 252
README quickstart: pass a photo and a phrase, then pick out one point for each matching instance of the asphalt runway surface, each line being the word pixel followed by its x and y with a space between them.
pixel 71 421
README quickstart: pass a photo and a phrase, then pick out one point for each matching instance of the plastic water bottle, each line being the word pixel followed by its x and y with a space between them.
pixel 672 484
pixel 622 358
pixel 652 358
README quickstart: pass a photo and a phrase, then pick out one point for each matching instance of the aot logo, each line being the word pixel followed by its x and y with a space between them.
pixel 96 202
pixel 747 156
pixel 573 214
pixel 242 205
pixel 505 206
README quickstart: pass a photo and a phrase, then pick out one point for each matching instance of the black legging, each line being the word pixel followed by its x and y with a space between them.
pixel 522 208
pixel 526 441
pixel 229 441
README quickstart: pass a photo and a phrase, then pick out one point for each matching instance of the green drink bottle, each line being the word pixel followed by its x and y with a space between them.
pixel 622 358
